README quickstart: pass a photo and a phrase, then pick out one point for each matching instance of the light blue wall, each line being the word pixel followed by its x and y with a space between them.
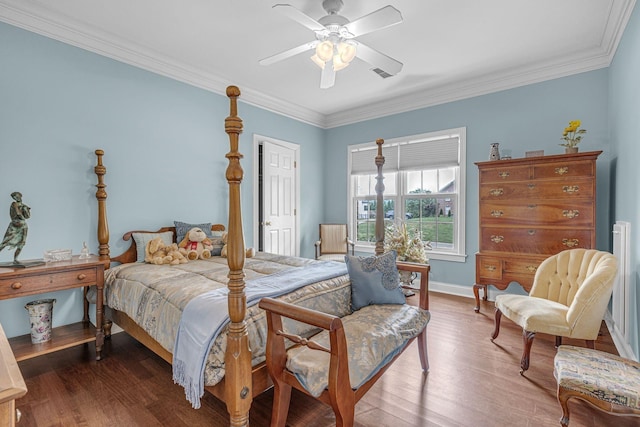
pixel 624 116
pixel 164 145
pixel 527 118
pixel 60 103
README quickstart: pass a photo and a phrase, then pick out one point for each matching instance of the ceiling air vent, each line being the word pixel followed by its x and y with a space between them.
pixel 382 73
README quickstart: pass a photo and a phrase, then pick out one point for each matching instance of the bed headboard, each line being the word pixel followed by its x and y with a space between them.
pixel 131 254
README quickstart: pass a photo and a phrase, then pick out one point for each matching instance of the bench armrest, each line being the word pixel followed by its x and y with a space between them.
pixel 423 269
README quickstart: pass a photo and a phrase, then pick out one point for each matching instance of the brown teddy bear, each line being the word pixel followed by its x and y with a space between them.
pixel 196 244
pixel 156 252
pixel 249 253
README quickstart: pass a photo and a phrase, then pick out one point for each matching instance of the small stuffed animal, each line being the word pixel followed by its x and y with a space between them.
pixel 156 252
pixel 196 244
pixel 249 253
pixel 177 257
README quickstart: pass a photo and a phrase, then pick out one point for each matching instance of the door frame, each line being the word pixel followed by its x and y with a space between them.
pixel 257 142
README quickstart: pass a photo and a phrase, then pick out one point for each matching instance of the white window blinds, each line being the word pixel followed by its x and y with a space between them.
pixel 429 154
pixel 409 155
pixel 363 160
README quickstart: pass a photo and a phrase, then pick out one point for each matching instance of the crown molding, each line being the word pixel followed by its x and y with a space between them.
pixel 62 29
pixel 58 27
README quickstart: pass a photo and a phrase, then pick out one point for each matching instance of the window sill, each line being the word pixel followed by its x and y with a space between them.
pixel 435 255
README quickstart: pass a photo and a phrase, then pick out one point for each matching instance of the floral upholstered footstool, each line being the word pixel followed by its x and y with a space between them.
pixel 608 382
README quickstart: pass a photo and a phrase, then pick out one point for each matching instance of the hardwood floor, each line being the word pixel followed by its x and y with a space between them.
pixel 472 382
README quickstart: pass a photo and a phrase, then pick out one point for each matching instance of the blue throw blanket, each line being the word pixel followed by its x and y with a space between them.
pixel 204 317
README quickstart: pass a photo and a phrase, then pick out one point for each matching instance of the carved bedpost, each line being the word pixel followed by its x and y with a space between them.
pixel 379 200
pixel 103 225
pixel 238 393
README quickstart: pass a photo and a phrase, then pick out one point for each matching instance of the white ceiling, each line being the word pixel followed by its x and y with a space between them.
pixel 451 49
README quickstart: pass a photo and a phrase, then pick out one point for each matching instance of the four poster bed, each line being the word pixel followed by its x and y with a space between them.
pixel 147 301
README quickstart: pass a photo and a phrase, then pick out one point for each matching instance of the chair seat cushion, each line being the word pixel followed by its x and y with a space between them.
pixel 374 334
pixel 601 375
pixel 332 257
pixel 535 314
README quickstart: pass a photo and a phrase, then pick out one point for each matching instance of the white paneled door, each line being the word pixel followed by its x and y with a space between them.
pixel 279 199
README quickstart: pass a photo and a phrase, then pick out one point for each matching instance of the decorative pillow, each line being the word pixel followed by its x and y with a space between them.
pixel 182 228
pixel 217 242
pixel 142 239
pixel 374 280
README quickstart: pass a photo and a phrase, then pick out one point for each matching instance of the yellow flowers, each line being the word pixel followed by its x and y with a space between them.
pixel 572 134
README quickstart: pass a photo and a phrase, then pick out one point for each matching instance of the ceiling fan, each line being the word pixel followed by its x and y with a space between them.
pixel 335 45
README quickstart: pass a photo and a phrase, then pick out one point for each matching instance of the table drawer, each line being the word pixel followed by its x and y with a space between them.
pixel 11 287
pixel 488 269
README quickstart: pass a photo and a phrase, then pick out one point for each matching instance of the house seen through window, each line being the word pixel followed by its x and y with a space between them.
pixel 424 187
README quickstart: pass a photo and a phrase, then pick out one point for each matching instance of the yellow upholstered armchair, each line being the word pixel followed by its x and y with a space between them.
pixel 568 298
pixel 334 242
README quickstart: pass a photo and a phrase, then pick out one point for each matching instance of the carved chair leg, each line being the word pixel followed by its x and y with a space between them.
pixel 527 338
pixel 422 350
pixel 281 399
pixel 564 404
pixel 496 330
pixel 558 341
pixel 591 344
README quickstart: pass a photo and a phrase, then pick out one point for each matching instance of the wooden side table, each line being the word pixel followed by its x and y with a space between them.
pixel 77 273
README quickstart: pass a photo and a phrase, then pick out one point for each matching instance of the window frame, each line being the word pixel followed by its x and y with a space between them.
pixel 459 252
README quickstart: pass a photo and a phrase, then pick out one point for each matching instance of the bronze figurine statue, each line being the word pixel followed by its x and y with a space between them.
pixel 16 234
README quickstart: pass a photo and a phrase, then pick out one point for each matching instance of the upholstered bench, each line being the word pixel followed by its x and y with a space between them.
pixel 608 382
pixel 339 364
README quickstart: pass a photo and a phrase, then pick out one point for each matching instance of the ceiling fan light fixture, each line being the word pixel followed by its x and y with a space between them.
pixel 339 64
pixel 346 52
pixel 319 62
pixel 324 50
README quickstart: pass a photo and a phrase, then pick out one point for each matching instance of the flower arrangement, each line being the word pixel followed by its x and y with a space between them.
pixel 572 134
pixel 408 247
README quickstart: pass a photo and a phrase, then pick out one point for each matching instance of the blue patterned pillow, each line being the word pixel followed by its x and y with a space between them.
pixel 217 242
pixel 142 239
pixel 182 228
pixel 374 280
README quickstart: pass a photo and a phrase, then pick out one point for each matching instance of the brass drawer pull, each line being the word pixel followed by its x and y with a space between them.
pixel 531 232
pixel 503 175
pixel 496 192
pixel 16 285
pixel 531 268
pixel 570 189
pixel 561 171
pixel 532 206
pixel 570 243
pixel 570 213
pixel 490 267
pixel 497 213
pixel 497 239
pixel 82 276
pixel 531 186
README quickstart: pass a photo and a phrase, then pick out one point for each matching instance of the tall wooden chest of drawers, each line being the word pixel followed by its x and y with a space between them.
pixel 532 208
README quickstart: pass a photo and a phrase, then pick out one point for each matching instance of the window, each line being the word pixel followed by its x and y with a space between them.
pixel 424 186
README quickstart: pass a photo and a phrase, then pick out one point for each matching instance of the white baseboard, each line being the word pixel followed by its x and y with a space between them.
pixel 623 347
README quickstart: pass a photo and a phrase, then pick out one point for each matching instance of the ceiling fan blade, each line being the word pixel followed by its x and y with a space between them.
pixel 328 77
pixel 381 18
pixel 378 60
pixel 297 15
pixel 288 53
